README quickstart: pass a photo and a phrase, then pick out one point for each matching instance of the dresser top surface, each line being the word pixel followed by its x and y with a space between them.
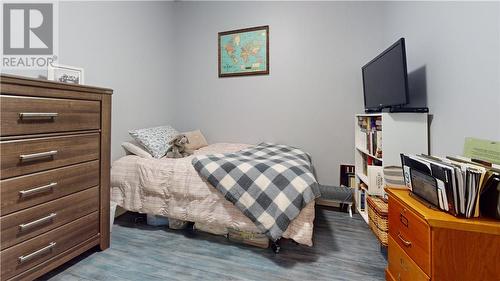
pixel 26 81
pixel 439 219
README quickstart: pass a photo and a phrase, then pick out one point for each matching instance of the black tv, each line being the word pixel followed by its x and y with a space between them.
pixel 385 79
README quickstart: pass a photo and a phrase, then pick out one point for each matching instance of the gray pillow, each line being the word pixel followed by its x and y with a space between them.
pixel 155 140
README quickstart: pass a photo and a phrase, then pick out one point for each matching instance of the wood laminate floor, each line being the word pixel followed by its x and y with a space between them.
pixel 344 249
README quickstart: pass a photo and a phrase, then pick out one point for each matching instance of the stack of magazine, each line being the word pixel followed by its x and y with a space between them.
pixel 452 184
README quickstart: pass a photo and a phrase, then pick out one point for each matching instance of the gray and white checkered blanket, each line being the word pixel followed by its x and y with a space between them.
pixel 269 183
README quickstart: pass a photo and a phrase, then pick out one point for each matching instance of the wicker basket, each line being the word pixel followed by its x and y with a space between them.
pixel 377 216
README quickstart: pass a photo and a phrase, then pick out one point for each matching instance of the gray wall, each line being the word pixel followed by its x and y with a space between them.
pixel 453 52
pixel 126 46
pixel 314 87
pixel 160 58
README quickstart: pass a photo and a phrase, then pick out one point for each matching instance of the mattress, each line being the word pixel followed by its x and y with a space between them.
pixel 173 188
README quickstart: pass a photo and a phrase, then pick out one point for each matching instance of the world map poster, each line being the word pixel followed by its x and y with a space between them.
pixel 244 52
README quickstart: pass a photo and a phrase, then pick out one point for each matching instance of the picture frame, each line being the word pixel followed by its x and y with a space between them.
pixel 243 52
pixel 65 74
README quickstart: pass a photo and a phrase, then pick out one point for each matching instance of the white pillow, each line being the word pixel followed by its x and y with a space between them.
pixel 155 140
pixel 136 149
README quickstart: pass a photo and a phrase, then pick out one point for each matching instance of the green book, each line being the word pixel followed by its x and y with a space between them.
pixel 485 150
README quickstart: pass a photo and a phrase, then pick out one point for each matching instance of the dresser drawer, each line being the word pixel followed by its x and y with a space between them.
pixel 411 233
pixel 26 191
pixel 21 257
pixel 20 157
pixel 27 115
pixel 401 267
pixel 25 224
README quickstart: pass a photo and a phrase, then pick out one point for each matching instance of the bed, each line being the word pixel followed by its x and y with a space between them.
pixel 172 188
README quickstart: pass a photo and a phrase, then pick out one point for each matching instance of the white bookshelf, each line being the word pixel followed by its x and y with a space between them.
pixel 401 133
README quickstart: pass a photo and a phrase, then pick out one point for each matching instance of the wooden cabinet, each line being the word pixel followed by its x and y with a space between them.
pixel 55 165
pixel 402 265
pixel 410 233
pixel 426 244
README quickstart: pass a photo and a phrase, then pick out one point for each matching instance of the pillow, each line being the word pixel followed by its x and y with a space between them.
pixel 196 141
pixel 155 139
pixel 136 149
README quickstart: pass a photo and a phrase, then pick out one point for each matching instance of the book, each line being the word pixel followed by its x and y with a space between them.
pixel 378 147
pixel 371 138
pixel 406 171
pixel 362 200
pixel 352 180
pixel 444 173
pixel 490 194
pixel 453 185
pixel 375 180
pixel 378 123
pixel 484 150
pixel 346 174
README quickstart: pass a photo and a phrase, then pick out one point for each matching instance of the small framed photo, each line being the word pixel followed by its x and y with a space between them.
pixel 65 74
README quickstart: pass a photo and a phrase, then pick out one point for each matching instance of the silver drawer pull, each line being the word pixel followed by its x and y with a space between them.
pixel 35 156
pixel 37 115
pixel 42 251
pixel 46 219
pixel 36 190
pixel 404 241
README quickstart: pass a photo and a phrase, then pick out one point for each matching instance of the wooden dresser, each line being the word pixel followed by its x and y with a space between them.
pixel 55 165
pixel 426 244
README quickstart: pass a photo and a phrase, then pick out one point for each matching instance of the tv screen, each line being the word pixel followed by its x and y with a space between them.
pixel 385 78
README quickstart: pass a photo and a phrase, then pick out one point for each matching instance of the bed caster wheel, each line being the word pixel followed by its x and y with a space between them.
pixel 275 247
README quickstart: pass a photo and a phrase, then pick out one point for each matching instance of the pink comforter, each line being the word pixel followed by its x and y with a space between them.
pixel 172 188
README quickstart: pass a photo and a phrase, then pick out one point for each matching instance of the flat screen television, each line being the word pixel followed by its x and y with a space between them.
pixel 385 79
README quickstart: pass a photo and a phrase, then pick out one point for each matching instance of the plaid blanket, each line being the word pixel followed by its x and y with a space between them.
pixel 269 183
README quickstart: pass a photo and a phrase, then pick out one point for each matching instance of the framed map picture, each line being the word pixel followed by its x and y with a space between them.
pixel 244 52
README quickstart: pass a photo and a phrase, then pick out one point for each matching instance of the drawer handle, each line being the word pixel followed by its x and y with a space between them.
pixel 403 219
pixel 405 242
pixel 37 115
pixel 36 190
pixel 46 219
pixel 35 156
pixel 42 251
